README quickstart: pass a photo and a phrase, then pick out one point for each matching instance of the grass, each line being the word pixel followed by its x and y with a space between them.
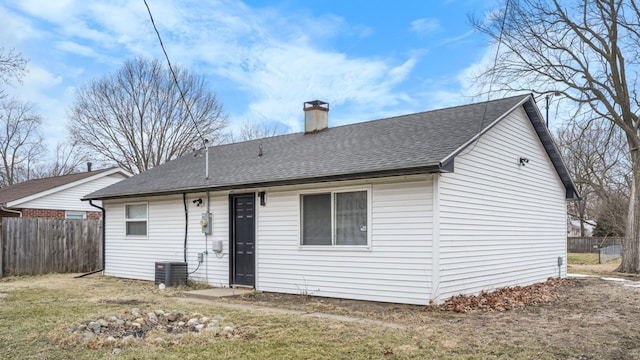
pixel 582 258
pixel 594 319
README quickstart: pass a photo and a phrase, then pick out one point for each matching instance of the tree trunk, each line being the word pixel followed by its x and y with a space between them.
pixel 631 242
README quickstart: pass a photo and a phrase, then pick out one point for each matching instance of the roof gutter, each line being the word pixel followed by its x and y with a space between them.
pixel 3 208
pixel 438 167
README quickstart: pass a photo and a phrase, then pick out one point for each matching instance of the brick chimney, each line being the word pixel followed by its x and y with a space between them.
pixel 316 116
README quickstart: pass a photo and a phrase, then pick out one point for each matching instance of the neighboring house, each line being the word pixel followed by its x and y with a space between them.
pixel 409 209
pixel 58 197
pixel 574 228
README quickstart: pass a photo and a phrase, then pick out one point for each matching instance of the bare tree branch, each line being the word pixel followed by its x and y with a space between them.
pixel 12 67
pixel 136 118
pixel 21 143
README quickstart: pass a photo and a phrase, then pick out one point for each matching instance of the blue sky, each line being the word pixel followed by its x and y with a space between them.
pixel 263 59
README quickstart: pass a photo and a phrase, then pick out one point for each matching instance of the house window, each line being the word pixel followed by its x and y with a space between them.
pixel 75 215
pixel 336 218
pixel 136 219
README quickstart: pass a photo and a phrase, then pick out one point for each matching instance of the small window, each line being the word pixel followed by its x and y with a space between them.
pixel 136 219
pixel 75 215
pixel 338 218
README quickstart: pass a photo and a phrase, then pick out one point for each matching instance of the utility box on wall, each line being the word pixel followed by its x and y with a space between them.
pixel 205 223
pixel 171 273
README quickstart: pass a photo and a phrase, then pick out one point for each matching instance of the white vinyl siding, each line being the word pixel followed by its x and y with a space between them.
pixel 501 224
pixel 395 268
pixel 215 268
pixel 69 199
pixel 135 257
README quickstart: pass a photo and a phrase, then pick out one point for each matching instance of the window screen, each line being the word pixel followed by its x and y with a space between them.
pixel 316 219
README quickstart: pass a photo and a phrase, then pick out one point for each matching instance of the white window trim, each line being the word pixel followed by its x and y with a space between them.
pixel 332 191
pixel 146 220
pixel 75 213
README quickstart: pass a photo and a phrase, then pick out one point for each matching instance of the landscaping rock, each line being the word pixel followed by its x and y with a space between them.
pixel 95 327
pixel 174 316
pixel 152 318
pixel 120 329
pixel 192 322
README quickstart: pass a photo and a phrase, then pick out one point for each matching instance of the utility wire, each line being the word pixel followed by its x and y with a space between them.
pixel 493 74
pixel 175 78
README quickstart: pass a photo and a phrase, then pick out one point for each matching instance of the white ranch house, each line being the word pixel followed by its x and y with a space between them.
pixel 409 209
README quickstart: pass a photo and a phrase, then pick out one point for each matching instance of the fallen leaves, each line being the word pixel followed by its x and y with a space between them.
pixel 508 298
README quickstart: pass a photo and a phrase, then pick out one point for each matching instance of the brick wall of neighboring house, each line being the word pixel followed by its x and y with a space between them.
pixel 94 215
pixel 56 214
pixel 46 213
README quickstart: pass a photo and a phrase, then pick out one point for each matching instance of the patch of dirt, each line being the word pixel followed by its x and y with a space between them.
pixel 499 300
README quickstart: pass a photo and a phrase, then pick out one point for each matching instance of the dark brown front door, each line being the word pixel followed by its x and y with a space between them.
pixel 243 237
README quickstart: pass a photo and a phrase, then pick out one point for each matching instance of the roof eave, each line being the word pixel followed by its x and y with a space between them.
pixel 107 172
pixel 438 167
pixel 571 192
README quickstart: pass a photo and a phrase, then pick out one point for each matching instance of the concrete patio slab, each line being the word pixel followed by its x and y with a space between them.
pixel 215 293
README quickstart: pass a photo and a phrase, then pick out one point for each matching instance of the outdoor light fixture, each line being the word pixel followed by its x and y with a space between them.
pixel 263 198
pixel 523 161
pixel 198 202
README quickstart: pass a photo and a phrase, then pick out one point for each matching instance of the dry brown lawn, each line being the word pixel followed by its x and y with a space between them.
pixel 592 319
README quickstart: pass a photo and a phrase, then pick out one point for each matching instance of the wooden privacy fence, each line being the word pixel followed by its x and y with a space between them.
pixel 590 244
pixel 33 246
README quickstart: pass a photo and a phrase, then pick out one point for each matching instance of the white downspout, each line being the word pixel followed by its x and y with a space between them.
pixel 435 240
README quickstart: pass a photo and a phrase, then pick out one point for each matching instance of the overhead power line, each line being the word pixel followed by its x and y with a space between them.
pixel 175 78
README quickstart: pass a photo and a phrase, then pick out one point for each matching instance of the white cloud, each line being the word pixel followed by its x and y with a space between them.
pixel 43 89
pixel 458 38
pixel 425 26
pixel 76 48
pixel 277 61
pixel 38 79
pixel 15 28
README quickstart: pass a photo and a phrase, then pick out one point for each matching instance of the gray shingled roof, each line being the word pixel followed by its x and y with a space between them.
pixel 408 144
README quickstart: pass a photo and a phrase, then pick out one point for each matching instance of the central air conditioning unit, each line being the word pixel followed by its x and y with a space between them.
pixel 171 273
